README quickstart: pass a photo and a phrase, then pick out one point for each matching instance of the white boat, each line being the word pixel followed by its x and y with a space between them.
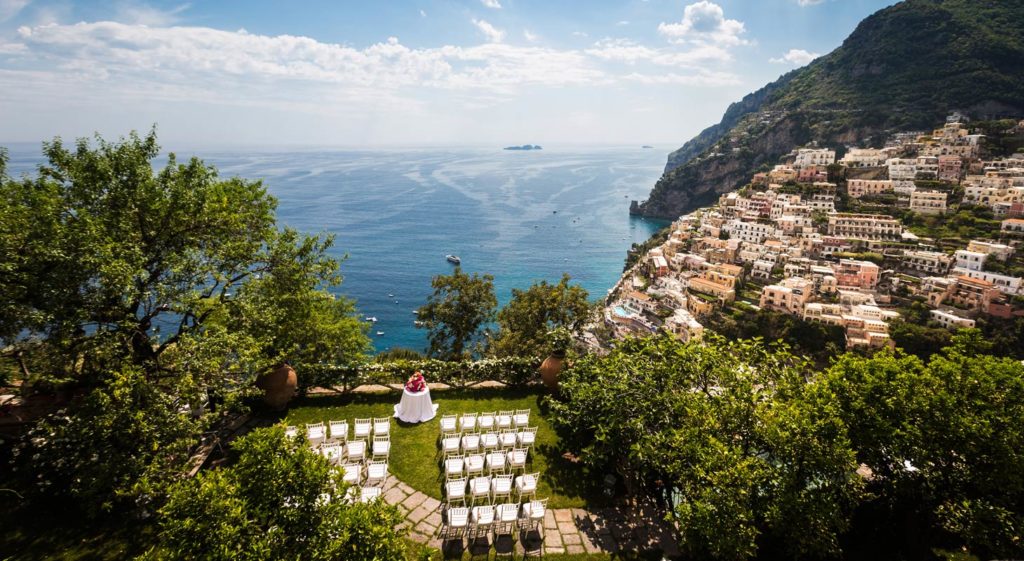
pixel 380 333
pixel 371 319
pixel 453 259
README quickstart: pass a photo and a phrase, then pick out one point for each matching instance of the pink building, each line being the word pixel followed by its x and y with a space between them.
pixel 860 274
pixel 950 168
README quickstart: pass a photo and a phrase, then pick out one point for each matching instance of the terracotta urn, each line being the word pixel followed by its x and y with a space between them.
pixel 278 386
pixel 550 368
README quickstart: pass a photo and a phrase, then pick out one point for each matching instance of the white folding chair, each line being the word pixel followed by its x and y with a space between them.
pixel 467 422
pixel 368 493
pixel 455 490
pixel 527 437
pixel 470 442
pixel 480 489
pixel 454 466
pixel 333 452
pixel 486 421
pixel 507 438
pixel 338 431
pixel 451 443
pixel 353 473
pixel 291 431
pixel 521 418
pixel 381 447
pixel 489 441
pixel 533 514
pixel 483 520
pixel 474 464
pixel 376 473
pixel 517 460
pixel 316 434
pixel 362 429
pixel 355 450
pixel 449 423
pixel 457 519
pixel 526 485
pixel 504 419
pixel 381 426
pixel 496 462
pixel 506 516
pixel 501 487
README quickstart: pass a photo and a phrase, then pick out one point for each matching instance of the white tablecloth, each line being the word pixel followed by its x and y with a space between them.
pixel 415 407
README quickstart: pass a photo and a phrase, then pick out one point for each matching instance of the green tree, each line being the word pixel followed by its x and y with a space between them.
pixel 116 275
pixel 943 443
pixel 746 449
pixel 457 313
pixel 281 500
pixel 525 321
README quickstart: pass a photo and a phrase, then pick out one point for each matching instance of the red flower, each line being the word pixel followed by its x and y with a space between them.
pixel 416 383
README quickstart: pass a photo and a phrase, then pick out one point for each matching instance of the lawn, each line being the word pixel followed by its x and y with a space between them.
pixel 414 451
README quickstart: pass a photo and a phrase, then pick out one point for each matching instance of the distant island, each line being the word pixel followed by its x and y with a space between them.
pixel 524 147
pixel 646 146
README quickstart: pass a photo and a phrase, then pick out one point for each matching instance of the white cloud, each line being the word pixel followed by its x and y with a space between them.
pixel 704 22
pixel 11 8
pixel 493 34
pixel 144 14
pixel 621 23
pixel 423 14
pixel 530 36
pixel 805 3
pixel 493 4
pixel 797 57
pixel 580 34
pixel 628 52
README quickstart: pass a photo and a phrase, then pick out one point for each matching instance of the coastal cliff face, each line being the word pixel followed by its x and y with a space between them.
pixel 903 68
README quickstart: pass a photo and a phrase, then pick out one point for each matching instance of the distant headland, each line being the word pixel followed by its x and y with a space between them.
pixel 524 147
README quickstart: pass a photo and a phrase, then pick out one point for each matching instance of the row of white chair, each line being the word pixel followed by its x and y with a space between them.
pixel 486 421
pixel 490 489
pixel 499 519
pixel 357 450
pixel 494 463
pixel 373 474
pixel 337 431
pixel 472 442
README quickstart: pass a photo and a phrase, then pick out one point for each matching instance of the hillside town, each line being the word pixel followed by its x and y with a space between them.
pixel 855 240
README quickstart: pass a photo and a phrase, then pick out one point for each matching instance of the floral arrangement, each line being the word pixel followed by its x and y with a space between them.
pixel 416 383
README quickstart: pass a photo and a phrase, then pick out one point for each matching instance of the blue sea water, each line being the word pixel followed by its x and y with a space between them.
pixel 520 216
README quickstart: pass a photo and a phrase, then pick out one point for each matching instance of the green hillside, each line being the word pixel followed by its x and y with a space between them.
pixel 903 68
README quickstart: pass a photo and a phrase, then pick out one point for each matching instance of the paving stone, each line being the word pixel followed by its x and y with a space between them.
pixel 572 539
pixel 420 513
pixel 567 528
pixel 418 537
pixel 432 503
pixel 558 550
pixel 434 519
pixel 588 543
pixel 553 539
pixel 549 521
pixel 600 523
pixel 574 549
pixel 394 496
pixel 414 500
pixel 563 515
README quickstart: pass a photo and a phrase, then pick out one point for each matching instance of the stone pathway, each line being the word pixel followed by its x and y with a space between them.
pixel 565 530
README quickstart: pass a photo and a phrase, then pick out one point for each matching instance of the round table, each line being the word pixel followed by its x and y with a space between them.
pixel 415 407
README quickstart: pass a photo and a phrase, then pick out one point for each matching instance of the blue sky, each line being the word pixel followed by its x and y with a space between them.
pixel 441 72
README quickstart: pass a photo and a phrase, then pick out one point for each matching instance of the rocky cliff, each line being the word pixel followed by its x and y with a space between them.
pixel 903 68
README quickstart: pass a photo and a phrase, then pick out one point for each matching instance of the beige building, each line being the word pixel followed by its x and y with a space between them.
pixel 928 202
pixel 858 188
pixel 788 296
pixel 932 262
pixel 864 226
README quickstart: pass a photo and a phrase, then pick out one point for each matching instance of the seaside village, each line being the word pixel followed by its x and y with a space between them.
pixel 833 240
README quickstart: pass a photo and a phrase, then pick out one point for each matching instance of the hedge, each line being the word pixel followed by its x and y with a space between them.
pixel 513 371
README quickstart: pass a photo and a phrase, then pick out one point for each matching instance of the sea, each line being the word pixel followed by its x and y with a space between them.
pixel 521 216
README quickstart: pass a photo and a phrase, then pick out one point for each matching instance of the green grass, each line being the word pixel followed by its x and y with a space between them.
pixel 414 450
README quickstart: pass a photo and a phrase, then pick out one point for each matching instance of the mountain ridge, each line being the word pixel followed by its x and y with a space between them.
pixel 903 68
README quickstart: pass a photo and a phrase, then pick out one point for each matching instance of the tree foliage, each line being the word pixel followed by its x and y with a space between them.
pixel 457 313
pixel 146 290
pixel 524 323
pixel 281 500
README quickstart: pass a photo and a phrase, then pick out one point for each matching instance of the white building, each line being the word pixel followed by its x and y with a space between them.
pixel 751 232
pixel 950 321
pixel 928 202
pixel 970 260
pixel 806 157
